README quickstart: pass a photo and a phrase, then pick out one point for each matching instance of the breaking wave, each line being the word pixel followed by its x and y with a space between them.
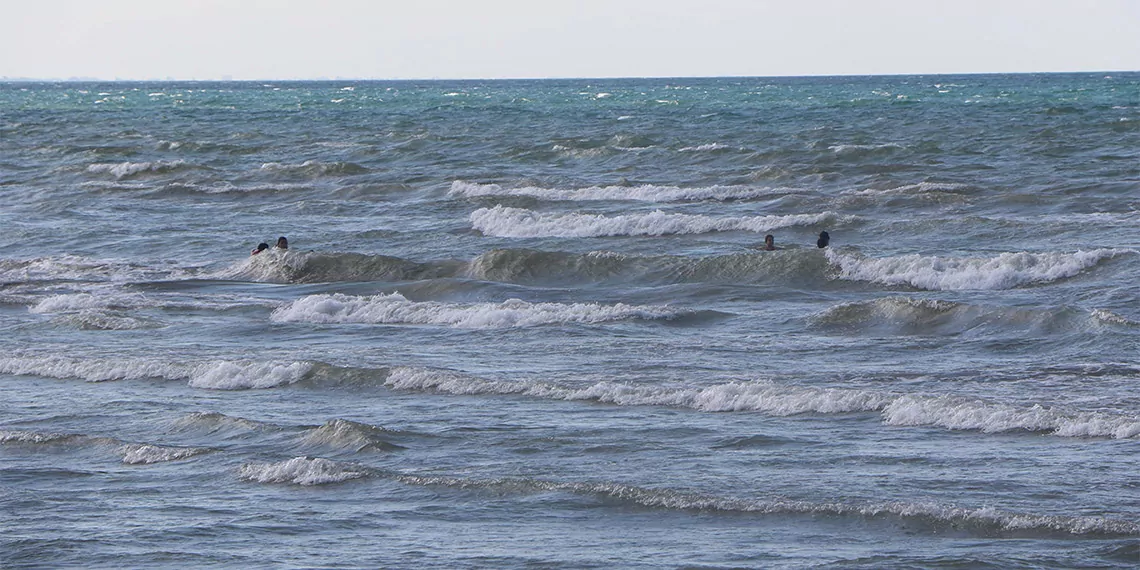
pixel 396 309
pixel 275 266
pixel 72 267
pixel 775 399
pixel 642 193
pixel 907 315
pixel 315 168
pixel 127 169
pixel 302 471
pixel 530 266
pixel 101 320
pixel 144 453
pixel 215 375
pixel 1004 271
pixel 985 521
pixel 502 221
pixel 131 453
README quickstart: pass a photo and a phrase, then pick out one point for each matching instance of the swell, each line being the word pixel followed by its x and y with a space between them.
pixel 800 267
pixel 921 316
pixel 940 518
pixel 528 266
pixel 979 521
pixel 130 453
pixel 294 267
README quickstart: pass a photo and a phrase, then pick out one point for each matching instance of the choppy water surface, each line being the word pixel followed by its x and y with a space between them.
pixel 529 323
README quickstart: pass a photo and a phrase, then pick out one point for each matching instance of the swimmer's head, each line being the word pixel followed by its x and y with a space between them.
pixel 282 243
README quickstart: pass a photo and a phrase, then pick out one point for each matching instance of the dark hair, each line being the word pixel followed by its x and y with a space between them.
pixel 823 240
pixel 282 242
pixel 262 246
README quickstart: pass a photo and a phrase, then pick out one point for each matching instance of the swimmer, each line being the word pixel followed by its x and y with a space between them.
pixel 769 243
pixel 282 243
pixel 823 240
pixel 260 248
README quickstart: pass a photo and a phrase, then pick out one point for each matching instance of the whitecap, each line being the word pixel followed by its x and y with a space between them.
pixel 301 471
pixel 641 193
pixel 1004 271
pixel 502 221
pixel 125 169
pixel 397 309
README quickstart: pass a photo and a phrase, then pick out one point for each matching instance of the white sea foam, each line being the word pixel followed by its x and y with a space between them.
pixel 908 189
pixel 231 375
pixel 705 147
pixel 517 222
pixel 302 471
pixel 776 399
pixel 1004 271
pixel 771 398
pixel 80 301
pixel 104 299
pixel 1109 318
pixel 97 319
pixel 396 309
pixel 143 453
pixel 125 169
pixel 217 375
pixel 314 167
pixel 35 437
pixel 862 148
pixel 81 268
pixel 970 414
pixel 642 193
pixel 94 370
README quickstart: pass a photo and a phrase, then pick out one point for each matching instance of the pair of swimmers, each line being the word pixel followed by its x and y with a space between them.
pixel 282 243
pixel 823 241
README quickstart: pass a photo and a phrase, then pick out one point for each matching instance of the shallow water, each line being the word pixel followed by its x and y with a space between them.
pixel 528 323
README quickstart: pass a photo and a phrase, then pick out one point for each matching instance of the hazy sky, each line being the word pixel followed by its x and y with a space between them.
pixel 286 39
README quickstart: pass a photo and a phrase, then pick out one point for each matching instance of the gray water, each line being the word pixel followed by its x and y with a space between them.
pixel 531 323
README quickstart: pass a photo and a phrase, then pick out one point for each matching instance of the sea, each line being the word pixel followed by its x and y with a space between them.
pixel 532 324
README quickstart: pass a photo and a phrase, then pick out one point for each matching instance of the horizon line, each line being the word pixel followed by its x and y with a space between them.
pixel 228 79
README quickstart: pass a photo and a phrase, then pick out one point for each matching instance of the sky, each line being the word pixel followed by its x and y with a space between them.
pixel 480 39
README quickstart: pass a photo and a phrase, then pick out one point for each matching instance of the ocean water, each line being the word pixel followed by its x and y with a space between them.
pixel 528 324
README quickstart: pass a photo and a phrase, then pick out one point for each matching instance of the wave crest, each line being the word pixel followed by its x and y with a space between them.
pixel 302 471
pixel 985 521
pixel 1004 271
pixel 128 169
pixel 641 193
pixel 502 221
pixel 316 168
pixel 355 436
pixel 396 309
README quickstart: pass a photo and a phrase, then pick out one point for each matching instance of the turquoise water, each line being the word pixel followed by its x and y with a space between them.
pixel 529 323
